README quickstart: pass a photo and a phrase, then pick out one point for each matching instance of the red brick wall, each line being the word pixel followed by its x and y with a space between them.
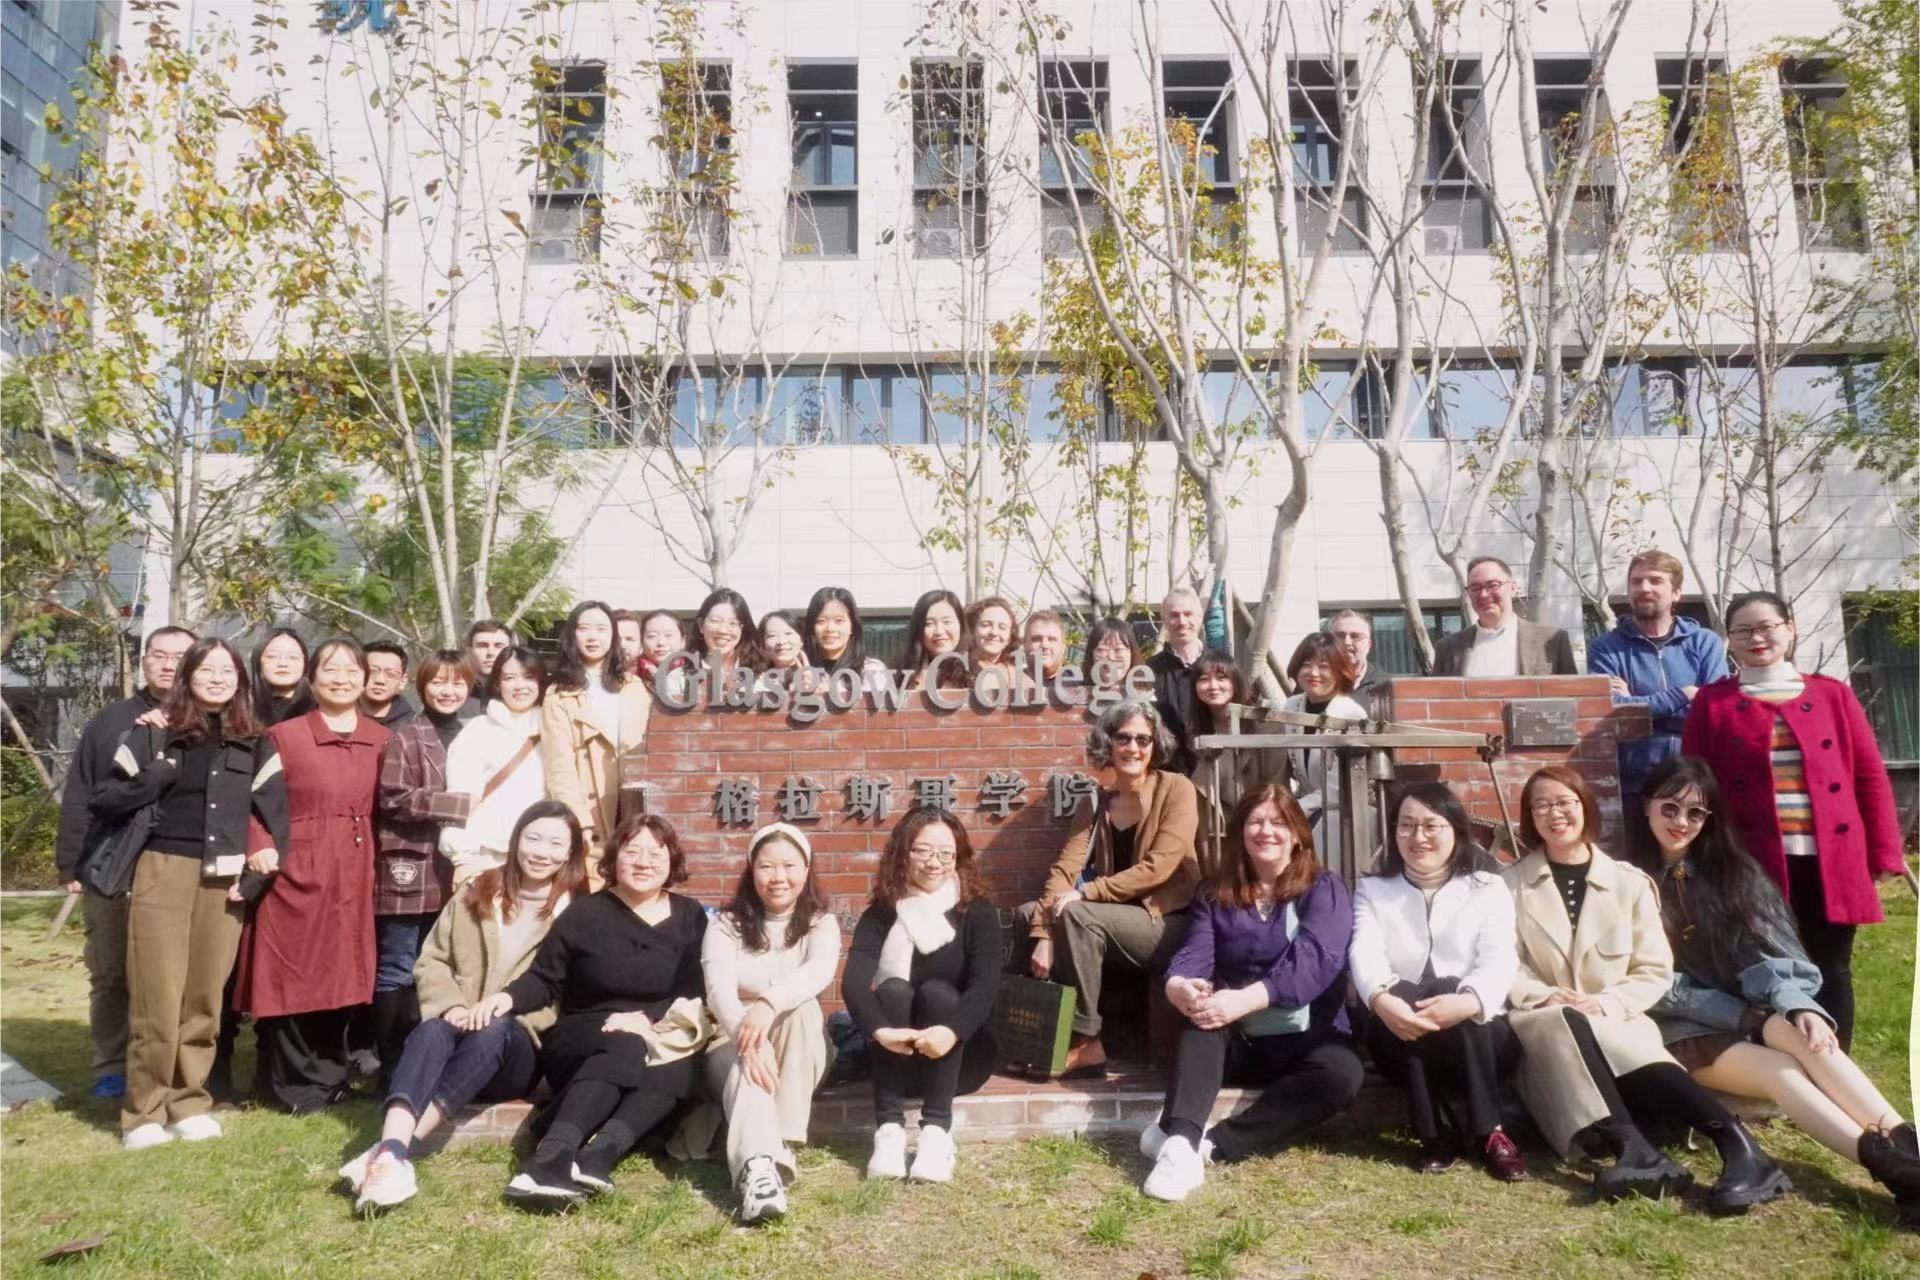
pixel 689 752
pixel 1478 706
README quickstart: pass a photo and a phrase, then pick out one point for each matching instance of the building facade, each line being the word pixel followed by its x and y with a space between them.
pixel 895 217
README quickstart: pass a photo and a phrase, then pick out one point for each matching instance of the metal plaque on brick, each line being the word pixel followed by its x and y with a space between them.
pixel 1542 722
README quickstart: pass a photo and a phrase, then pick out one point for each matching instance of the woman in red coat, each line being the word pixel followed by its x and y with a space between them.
pixel 1806 787
pixel 308 955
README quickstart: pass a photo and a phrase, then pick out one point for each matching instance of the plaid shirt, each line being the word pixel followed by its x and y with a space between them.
pixel 409 877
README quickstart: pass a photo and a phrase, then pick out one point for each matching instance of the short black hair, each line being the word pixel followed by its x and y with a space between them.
pixel 157 632
pixel 388 647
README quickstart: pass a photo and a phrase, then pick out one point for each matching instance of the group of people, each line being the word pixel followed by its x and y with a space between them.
pixel 468 889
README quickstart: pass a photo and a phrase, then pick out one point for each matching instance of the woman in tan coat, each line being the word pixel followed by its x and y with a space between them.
pixel 484 939
pixel 593 724
pixel 1593 959
pixel 1123 880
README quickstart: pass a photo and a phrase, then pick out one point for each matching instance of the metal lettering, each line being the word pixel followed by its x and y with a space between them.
pixel 1002 791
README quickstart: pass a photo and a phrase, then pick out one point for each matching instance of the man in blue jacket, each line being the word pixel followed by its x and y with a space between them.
pixel 1657 660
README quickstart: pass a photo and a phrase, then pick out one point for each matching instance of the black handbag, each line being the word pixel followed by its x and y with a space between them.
pixel 106 866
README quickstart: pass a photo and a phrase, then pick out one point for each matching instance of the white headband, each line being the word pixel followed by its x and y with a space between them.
pixel 785 831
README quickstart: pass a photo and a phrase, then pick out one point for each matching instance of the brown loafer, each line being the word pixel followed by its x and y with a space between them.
pixel 1502 1159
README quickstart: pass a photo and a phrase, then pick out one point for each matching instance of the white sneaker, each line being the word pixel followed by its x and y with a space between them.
pixel 889 1158
pixel 354 1171
pixel 389 1182
pixel 763 1196
pixel 1178 1172
pixel 933 1162
pixel 147 1135
pixel 196 1129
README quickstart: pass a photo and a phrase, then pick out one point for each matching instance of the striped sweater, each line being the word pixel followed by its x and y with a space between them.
pixel 1777 685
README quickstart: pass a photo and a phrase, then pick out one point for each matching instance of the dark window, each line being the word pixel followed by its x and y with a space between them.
pixel 696 117
pixel 565 217
pixel 1457 219
pixel 1885 669
pixel 1560 89
pixel 1199 103
pixel 1703 164
pixel 1319 121
pixel 949 159
pixel 1826 174
pixel 1073 113
pixel 823 206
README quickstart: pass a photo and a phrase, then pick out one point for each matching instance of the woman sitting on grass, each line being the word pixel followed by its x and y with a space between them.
pixel 1261 979
pixel 463 1051
pixel 767 958
pixel 1743 1015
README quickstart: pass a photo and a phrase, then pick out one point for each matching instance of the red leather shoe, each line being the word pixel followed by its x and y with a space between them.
pixel 1502 1158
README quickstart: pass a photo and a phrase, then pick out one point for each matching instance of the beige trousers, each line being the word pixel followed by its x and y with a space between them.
pixel 182 937
pixel 771 1124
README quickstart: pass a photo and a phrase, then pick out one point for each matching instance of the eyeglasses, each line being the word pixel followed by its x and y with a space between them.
pixel 1488 588
pixel 1432 829
pixel 1132 739
pixel 931 856
pixel 646 857
pixel 1758 631
pixel 1674 811
pixel 1566 804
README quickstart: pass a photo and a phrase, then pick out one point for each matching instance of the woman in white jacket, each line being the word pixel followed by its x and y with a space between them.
pixel 497 758
pixel 1323 673
pixel 1432 956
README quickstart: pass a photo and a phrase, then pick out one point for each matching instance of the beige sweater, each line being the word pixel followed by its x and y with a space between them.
pixel 784 977
pixel 462 962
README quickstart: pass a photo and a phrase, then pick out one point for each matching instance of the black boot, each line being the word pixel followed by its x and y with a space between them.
pixel 593 1167
pixel 395 1015
pixel 546 1179
pixel 1881 1155
pixel 1905 1140
pixel 1642 1169
pixel 1748 1175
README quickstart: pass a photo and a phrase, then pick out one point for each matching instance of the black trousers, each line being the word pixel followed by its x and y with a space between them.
pixel 1654 1098
pixel 935 1081
pixel 303 1060
pixel 1829 946
pixel 1306 1079
pixel 1466 1061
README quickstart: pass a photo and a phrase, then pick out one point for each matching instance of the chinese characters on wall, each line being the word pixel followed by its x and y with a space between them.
pixel 869 797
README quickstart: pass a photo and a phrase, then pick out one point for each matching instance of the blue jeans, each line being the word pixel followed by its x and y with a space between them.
pixel 450 1068
pixel 397 942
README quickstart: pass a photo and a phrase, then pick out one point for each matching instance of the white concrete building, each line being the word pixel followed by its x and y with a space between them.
pixel 845 321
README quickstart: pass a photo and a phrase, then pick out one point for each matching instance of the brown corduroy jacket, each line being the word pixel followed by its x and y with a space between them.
pixel 1165 871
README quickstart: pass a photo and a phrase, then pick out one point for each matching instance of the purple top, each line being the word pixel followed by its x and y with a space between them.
pixel 1234 947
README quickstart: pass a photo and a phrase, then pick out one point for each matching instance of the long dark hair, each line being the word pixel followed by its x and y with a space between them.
pixel 750 914
pixel 530 662
pixel 502 885
pixel 1214 662
pixel 571 671
pixel 916 657
pixel 855 655
pixel 1437 796
pixel 1233 880
pixel 1117 628
pixel 748 654
pixel 1725 903
pixel 270 708
pixel 187 723
pixel 891 883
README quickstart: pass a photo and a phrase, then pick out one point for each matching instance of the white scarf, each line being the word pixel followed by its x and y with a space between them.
pixel 919 925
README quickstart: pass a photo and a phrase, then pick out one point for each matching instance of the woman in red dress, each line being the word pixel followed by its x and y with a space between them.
pixel 308 955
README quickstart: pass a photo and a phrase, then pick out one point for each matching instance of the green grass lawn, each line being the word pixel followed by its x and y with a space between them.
pixel 262 1201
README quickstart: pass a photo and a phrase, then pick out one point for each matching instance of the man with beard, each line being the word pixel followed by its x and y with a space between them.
pixel 1655 659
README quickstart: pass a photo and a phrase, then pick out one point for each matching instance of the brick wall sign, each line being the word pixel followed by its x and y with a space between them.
pixel 1480 706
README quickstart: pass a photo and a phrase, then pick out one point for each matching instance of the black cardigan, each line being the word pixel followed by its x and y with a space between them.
pixel 971 962
pixel 601 958
pixel 146 766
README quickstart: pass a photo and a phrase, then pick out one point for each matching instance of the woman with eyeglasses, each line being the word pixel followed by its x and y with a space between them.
pixel 1432 958
pixel 1324 675
pixel 1744 1015
pixel 920 978
pixel 1593 959
pixel 1119 890
pixel 1807 790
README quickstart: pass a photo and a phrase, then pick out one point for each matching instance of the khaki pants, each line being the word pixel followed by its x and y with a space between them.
pixel 182 937
pixel 770 1124
pixel 106 957
pixel 1089 934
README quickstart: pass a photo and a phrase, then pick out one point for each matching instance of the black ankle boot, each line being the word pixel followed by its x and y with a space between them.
pixel 547 1176
pixel 593 1167
pixel 1748 1175
pixel 1644 1170
pixel 1905 1140
pixel 1881 1156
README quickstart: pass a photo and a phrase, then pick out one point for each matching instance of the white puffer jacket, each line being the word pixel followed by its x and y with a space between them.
pixel 481 750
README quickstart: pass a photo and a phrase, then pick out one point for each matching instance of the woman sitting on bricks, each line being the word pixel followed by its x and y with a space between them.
pixel 1120 888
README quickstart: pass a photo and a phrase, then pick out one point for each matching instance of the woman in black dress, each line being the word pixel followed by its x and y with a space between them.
pixel 624 966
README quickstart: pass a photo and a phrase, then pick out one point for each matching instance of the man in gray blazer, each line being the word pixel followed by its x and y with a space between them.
pixel 1501 643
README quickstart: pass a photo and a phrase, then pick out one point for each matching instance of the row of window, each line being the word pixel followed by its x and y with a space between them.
pixel 859 404
pixel 949 131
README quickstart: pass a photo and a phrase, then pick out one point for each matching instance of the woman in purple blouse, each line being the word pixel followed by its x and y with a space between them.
pixel 1261 978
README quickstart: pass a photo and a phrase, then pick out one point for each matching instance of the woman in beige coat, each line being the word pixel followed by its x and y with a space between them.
pixel 593 724
pixel 1593 959
pixel 484 939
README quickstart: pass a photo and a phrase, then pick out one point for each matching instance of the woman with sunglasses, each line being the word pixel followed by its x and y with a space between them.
pixel 1119 890
pixel 1744 1015
pixel 1810 798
